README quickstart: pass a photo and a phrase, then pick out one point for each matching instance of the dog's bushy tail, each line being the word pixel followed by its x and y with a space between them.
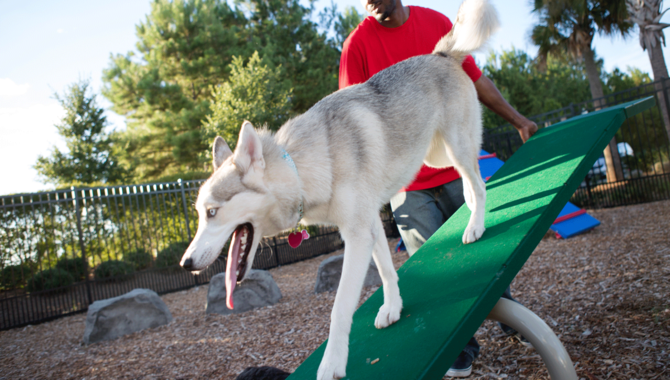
pixel 477 20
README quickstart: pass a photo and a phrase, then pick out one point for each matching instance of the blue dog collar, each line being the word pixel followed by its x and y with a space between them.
pixel 291 163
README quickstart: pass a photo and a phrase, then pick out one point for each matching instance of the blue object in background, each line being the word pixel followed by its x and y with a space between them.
pixel 565 229
pixel 576 225
pixel 489 166
pixel 400 246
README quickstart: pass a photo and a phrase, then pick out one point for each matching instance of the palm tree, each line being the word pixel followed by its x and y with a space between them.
pixel 568 27
pixel 647 15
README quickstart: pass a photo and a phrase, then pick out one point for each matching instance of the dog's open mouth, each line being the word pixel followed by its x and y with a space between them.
pixel 236 267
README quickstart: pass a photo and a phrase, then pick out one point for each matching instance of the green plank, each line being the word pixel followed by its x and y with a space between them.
pixel 449 288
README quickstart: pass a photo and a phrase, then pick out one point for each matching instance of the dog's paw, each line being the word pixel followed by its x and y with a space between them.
pixel 388 315
pixel 473 233
pixel 334 363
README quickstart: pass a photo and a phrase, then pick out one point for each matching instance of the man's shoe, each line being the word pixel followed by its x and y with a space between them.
pixel 462 367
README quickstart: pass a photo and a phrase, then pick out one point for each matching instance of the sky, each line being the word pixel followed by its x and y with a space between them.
pixel 48 45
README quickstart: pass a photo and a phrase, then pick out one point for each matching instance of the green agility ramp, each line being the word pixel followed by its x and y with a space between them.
pixel 449 288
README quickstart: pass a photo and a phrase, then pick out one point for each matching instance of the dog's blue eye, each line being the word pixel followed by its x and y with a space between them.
pixel 211 212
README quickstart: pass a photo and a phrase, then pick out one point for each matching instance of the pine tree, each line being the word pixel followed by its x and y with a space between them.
pixel 90 158
pixel 186 47
pixel 283 34
pixel 253 92
pixel 342 24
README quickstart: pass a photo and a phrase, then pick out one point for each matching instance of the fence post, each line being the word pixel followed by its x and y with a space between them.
pixel 588 191
pixel 572 110
pixel 77 211
pixel 509 145
pixel 183 199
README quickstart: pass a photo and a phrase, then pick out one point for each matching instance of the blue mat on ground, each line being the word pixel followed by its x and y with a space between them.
pixel 575 225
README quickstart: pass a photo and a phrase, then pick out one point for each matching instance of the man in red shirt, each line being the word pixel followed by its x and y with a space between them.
pixel 395 33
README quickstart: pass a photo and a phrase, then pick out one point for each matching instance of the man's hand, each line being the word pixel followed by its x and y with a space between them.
pixel 489 95
pixel 526 129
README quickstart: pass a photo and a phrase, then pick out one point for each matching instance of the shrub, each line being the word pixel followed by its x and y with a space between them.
pixel 49 279
pixel 171 255
pixel 14 276
pixel 113 268
pixel 139 259
pixel 74 266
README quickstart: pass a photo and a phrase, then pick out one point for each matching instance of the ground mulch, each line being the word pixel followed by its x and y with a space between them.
pixel 605 294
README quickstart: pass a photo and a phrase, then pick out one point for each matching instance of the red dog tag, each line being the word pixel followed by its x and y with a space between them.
pixel 295 238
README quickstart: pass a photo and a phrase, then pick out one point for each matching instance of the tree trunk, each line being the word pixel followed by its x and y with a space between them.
pixel 660 74
pixel 611 153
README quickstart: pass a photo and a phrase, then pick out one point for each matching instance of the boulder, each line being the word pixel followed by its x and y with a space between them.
pixel 330 271
pixel 134 311
pixel 257 290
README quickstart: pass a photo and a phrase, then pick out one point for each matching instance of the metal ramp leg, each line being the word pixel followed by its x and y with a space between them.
pixel 537 332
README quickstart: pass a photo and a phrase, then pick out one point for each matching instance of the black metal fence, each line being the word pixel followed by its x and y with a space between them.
pixel 62 250
pixel 643 149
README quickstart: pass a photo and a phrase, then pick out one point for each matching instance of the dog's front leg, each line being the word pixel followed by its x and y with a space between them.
pixel 389 313
pixel 357 253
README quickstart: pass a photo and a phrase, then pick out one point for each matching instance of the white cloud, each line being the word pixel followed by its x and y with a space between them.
pixel 27 132
pixel 10 89
pixel 59 31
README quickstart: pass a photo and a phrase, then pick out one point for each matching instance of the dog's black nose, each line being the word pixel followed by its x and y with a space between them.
pixel 188 264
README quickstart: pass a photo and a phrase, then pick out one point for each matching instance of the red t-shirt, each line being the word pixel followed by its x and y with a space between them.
pixel 371 48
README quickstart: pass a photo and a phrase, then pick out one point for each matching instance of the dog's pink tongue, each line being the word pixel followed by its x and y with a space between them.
pixel 231 267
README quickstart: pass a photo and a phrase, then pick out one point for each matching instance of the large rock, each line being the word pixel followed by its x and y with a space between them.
pixel 134 311
pixel 257 290
pixel 330 271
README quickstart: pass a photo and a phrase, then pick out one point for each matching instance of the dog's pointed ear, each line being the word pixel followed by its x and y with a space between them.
pixel 249 151
pixel 220 152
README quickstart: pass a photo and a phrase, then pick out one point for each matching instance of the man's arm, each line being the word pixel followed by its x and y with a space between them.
pixel 488 94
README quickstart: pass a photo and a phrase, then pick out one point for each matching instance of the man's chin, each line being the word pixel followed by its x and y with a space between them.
pixel 379 17
pixel 382 16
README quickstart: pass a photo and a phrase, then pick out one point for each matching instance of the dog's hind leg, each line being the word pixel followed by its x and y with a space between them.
pixel 359 237
pixel 389 313
pixel 464 152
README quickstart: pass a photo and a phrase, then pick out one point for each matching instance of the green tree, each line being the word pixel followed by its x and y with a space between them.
pixel 283 34
pixel 618 80
pixel 90 157
pixel 253 92
pixel 342 24
pixel 531 90
pixel 647 15
pixel 184 48
pixel 569 26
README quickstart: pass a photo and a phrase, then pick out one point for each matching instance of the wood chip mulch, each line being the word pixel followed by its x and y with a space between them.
pixel 604 293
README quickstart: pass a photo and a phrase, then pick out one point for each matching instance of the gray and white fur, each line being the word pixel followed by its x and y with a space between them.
pixel 353 150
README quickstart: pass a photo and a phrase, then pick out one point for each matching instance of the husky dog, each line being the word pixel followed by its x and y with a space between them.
pixel 340 162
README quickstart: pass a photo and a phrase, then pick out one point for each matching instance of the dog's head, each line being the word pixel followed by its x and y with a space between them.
pixel 233 201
